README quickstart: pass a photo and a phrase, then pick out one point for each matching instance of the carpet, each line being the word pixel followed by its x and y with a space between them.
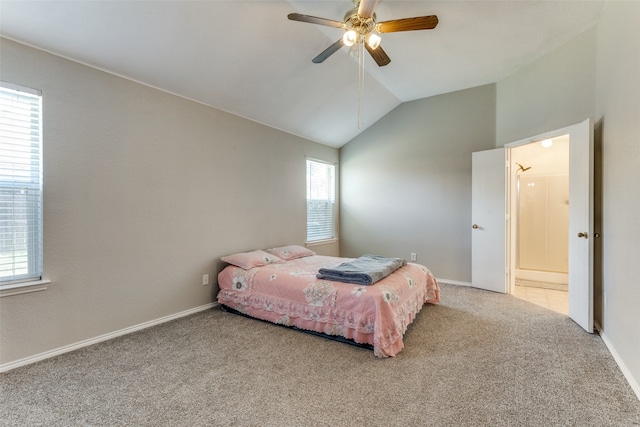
pixel 476 359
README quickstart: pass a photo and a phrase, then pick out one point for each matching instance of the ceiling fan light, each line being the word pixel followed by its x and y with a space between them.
pixel 373 40
pixel 349 38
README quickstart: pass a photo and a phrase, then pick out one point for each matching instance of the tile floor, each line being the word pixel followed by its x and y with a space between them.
pixel 551 299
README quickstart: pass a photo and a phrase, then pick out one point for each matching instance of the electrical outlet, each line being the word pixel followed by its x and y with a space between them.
pixel 205 279
pixel 413 256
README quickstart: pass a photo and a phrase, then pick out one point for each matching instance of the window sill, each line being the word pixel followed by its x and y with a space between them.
pixel 321 242
pixel 24 287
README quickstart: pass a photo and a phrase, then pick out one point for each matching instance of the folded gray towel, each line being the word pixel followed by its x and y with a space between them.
pixel 366 270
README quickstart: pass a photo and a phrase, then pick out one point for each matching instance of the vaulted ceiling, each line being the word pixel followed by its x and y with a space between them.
pixel 247 58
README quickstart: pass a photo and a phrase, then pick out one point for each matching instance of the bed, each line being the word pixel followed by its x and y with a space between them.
pixel 279 285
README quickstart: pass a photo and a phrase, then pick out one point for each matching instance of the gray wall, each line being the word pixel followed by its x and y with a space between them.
pixel 555 91
pixel 144 191
pixel 406 181
pixel 618 112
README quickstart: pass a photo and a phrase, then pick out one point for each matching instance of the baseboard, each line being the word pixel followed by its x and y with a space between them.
pixel 453 282
pixel 71 347
pixel 625 371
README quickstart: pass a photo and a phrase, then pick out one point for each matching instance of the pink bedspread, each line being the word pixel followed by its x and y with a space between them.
pixel 290 294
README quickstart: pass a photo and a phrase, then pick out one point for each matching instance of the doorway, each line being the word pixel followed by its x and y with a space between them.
pixel 539 194
pixel 492 247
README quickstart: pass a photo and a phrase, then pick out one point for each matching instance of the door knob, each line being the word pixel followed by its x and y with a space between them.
pixel 585 235
pixel 474 226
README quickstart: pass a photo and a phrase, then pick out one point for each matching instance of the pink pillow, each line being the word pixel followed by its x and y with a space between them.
pixel 290 252
pixel 248 260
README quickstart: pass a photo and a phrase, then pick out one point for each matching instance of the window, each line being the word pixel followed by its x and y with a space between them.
pixel 321 200
pixel 20 184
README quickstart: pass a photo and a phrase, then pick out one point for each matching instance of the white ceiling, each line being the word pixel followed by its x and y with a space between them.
pixel 247 58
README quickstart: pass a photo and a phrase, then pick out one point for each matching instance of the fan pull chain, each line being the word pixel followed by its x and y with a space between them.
pixel 360 81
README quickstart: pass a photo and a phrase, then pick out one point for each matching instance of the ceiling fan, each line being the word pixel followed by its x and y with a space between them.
pixel 360 26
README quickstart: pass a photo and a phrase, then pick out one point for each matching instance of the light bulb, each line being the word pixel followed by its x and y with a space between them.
pixel 546 143
pixel 373 40
pixel 349 38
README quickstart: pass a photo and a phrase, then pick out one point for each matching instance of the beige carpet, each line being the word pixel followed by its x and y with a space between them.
pixel 476 359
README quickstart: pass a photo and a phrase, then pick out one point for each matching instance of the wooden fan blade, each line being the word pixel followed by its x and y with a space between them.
pixel 328 52
pixel 378 55
pixel 314 20
pixel 409 24
pixel 365 10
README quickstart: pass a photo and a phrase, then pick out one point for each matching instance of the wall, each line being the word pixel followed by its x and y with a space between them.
pixel 406 181
pixel 555 91
pixel 143 192
pixel 618 111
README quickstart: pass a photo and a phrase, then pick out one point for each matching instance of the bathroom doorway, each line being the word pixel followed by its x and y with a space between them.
pixel 497 249
pixel 540 237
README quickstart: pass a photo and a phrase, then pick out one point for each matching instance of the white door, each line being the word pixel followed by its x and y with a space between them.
pixel 581 224
pixel 488 232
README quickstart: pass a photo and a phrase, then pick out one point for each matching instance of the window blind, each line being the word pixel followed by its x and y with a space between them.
pixel 321 200
pixel 20 184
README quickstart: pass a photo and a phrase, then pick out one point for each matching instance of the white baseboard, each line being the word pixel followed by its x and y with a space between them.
pixel 542 276
pixel 71 347
pixel 625 371
pixel 453 282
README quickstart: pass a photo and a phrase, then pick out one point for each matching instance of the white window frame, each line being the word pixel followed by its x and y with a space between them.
pixel 21 231
pixel 325 192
